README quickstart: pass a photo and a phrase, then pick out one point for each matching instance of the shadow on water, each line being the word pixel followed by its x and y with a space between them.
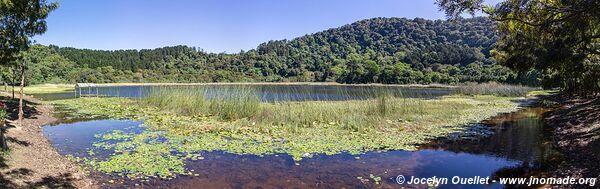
pixel 521 136
pixel 518 147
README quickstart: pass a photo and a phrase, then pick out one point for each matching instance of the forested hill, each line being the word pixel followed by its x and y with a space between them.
pixel 378 50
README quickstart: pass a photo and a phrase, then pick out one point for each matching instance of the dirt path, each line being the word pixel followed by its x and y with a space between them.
pixel 576 126
pixel 32 161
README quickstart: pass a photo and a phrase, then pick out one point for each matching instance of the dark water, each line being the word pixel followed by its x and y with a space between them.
pixel 520 145
pixel 265 92
pixel 76 138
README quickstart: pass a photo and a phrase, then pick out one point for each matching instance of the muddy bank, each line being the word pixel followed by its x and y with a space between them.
pixel 576 131
pixel 32 161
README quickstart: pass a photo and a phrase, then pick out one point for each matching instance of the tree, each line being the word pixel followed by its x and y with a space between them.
pixel 561 39
pixel 21 20
pixel 362 52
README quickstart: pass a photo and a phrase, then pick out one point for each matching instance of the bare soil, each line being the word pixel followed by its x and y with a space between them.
pixel 32 162
pixel 576 130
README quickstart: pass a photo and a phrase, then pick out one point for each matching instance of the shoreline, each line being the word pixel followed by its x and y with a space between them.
pixel 278 83
pixel 261 83
pixel 332 136
pixel 32 161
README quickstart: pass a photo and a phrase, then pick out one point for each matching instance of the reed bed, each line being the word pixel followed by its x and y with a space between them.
pixel 229 104
pixel 183 122
pixel 378 107
pixel 493 88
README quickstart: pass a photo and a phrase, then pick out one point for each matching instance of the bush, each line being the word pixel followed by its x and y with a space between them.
pixel 3 113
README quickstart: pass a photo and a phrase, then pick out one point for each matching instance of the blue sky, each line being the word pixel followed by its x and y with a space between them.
pixel 213 25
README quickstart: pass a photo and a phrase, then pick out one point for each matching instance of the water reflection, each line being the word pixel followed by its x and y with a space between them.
pixel 223 170
pixel 76 138
pixel 265 92
pixel 519 146
pixel 519 136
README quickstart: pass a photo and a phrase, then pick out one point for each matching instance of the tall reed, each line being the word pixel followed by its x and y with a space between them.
pixel 380 107
pixel 235 104
pixel 493 88
pixel 227 104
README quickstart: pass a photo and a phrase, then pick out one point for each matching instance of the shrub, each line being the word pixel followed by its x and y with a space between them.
pixel 3 113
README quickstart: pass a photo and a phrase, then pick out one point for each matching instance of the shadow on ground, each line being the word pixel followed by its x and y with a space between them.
pixel 577 131
pixel 12 107
pixel 8 180
pixel 11 177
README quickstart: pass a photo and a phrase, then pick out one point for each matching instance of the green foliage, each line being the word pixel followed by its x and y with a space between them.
pixel 19 21
pixel 296 128
pixel 378 50
pixel 559 39
pixel 3 114
pixel 44 65
pixel 375 179
pixel 138 155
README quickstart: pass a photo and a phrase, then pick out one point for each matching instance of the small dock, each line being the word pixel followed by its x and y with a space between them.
pixel 86 90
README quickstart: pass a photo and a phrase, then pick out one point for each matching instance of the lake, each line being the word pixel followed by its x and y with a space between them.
pixel 518 145
pixel 264 92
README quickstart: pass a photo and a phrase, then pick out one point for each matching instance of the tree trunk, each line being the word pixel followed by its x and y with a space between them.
pixel 21 95
pixel 13 82
pixel 3 144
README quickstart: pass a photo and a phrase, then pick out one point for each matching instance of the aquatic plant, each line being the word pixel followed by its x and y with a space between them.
pixel 235 104
pixel 366 181
pixel 493 88
pixel 178 100
pixel 231 104
pixel 295 128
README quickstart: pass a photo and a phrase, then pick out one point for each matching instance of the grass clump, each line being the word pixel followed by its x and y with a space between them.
pixel 493 88
pixel 180 101
pixel 235 104
pixel 190 122
pixel 227 105
pixel 43 88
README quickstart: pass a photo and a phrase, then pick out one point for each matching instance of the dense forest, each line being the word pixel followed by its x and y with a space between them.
pixel 378 50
